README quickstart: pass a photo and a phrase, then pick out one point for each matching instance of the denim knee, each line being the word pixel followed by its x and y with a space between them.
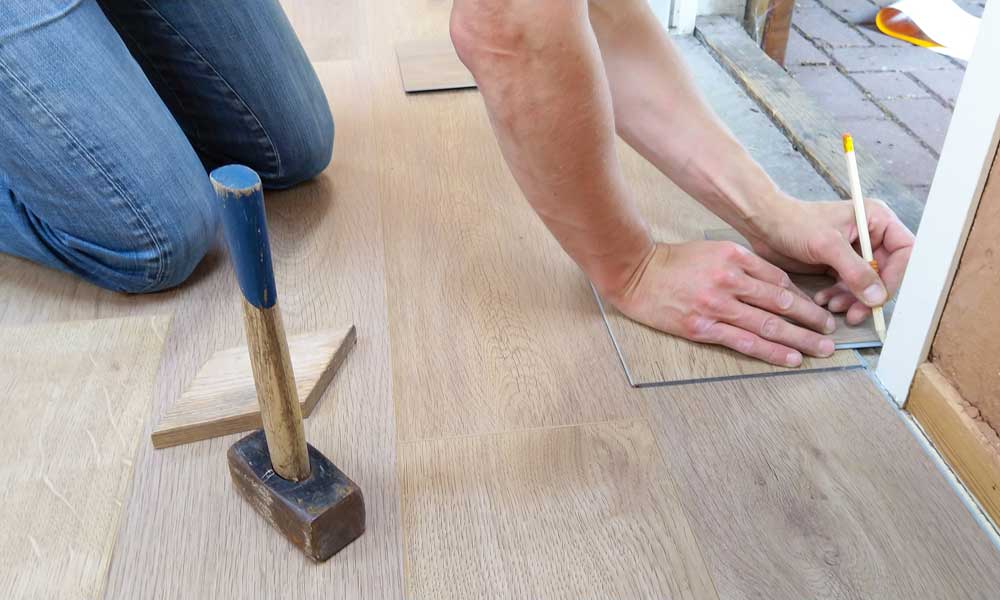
pixel 304 149
pixel 179 239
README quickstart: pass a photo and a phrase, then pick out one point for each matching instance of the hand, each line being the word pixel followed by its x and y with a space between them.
pixel 721 293
pixel 810 237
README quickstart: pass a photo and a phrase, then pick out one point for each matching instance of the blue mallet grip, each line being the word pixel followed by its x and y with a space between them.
pixel 239 190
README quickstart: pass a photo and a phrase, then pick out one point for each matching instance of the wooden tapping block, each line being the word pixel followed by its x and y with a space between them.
pixel 222 399
pixel 431 65
pixel 845 336
pixel 289 483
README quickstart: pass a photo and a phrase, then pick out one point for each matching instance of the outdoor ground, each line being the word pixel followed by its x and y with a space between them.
pixel 895 98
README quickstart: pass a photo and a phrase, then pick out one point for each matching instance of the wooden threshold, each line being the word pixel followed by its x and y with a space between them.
pixel 811 129
pixel 971 447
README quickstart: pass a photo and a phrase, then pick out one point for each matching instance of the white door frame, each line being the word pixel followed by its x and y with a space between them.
pixel 969 148
pixel 677 16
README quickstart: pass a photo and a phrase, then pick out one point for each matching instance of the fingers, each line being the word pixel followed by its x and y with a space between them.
pixel 753 345
pixel 772 327
pixel 780 301
pixel 859 277
pixel 758 268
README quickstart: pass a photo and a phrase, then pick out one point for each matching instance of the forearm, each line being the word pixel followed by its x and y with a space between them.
pixel 539 70
pixel 659 112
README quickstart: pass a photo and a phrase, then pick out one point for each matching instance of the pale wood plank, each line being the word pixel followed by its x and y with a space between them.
pixel 862 335
pixel 573 512
pixel 958 430
pixel 429 65
pixel 76 397
pixel 812 487
pixel 319 25
pixel 493 327
pixel 222 398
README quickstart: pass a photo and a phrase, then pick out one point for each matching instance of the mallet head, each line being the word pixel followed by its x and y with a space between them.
pixel 320 514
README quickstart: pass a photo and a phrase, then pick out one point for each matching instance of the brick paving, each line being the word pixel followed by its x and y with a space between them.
pixel 896 99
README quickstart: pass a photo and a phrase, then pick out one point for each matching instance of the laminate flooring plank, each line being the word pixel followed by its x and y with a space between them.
pixel 813 487
pixel 493 327
pixel 571 512
pixel 319 25
pixel 76 397
pixel 431 65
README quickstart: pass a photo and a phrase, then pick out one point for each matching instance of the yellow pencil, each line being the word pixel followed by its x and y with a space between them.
pixel 862 221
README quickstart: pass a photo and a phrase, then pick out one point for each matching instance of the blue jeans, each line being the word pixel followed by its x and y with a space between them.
pixel 111 112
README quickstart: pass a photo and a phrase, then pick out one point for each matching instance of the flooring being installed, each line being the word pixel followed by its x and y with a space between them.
pixel 484 412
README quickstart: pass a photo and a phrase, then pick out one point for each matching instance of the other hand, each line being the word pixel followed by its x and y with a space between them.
pixel 721 293
pixel 822 237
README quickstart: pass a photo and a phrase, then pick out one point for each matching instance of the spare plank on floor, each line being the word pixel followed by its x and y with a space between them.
pixel 571 512
pixel 76 397
pixel 429 65
pixel 813 487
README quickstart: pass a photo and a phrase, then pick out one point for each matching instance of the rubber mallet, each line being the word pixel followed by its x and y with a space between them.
pixel 289 482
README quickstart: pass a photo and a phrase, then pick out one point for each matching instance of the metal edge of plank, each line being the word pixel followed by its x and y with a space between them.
pixel 811 129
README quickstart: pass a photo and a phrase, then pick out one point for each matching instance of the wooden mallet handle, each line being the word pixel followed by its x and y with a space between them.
pixel 240 193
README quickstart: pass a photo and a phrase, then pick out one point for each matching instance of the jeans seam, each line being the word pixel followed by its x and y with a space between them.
pixel 204 60
pixel 150 230
pixel 138 47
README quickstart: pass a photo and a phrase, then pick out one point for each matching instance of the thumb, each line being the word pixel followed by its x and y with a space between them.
pixel 854 271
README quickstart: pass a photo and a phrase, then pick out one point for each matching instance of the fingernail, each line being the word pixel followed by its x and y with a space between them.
pixel 874 294
pixel 785 299
pixel 826 347
pixel 831 325
pixel 793 359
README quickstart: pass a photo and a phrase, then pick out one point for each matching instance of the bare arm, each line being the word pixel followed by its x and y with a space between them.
pixel 550 105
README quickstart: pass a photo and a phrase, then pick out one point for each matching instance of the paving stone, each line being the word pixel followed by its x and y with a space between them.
pixel 898 152
pixel 920 192
pixel 834 92
pixel 804 5
pixel 944 83
pixel 801 51
pixel 855 11
pixel 825 29
pixel 896 58
pixel 925 116
pixel 890 84
pixel 973 7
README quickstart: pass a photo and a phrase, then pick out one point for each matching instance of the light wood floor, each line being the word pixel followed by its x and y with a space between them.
pixel 484 411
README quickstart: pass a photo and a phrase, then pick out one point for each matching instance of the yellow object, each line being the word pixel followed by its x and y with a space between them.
pixel 848 143
pixel 894 23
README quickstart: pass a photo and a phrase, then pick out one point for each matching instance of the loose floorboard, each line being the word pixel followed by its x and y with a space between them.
pixel 431 65
pixel 811 487
pixel 480 345
pixel 75 399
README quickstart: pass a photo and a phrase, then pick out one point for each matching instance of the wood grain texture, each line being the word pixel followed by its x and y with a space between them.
pixel 574 512
pixel 957 429
pixel 222 399
pixel 430 65
pixel 812 487
pixel 651 357
pixel 814 132
pixel 967 342
pixel 493 327
pixel 76 397
pixel 846 336
pixel 276 392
